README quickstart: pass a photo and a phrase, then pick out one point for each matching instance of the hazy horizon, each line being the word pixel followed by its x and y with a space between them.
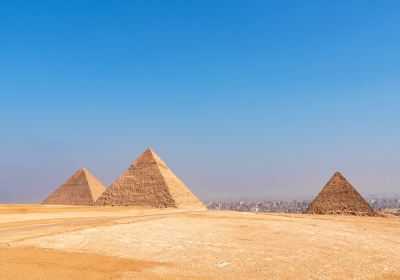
pixel 240 99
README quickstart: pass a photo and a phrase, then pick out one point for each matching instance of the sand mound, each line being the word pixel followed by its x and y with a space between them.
pixel 149 182
pixel 82 188
pixel 340 197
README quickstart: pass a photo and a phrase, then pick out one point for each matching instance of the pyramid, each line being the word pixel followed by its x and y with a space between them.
pixel 340 197
pixel 82 188
pixel 149 182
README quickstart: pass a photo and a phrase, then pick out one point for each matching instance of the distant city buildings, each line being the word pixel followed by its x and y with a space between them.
pixel 287 206
pixel 383 201
pixel 295 206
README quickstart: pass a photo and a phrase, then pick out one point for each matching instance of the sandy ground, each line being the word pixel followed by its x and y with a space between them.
pixel 45 242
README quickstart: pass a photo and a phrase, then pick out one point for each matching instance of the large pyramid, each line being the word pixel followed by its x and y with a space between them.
pixel 149 182
pixel 82 188
pixel 340 197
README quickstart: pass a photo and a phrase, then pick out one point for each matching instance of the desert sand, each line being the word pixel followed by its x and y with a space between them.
pixel 72 242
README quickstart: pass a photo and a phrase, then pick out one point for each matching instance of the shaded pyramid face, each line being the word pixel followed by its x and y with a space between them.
pixel 340 197
pixel 149 182
pixel 82 188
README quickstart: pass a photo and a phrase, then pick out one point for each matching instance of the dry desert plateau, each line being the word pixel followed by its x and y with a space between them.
pixel 69 242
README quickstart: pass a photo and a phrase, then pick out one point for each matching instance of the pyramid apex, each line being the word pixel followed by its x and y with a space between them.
pixel 82 172
pixel 85 171
pixel 150 156
pixel 338 174
pixel 79 172
pixel 151 152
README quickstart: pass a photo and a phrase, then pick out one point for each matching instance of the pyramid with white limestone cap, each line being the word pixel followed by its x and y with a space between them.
pixel 149 182
pixel 82 188
pixel 339 197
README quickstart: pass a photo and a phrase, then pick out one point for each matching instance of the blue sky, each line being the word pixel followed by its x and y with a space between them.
pixel 260 99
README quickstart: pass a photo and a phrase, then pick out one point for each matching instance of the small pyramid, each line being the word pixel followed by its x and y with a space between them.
pixel 340 197
pixel 82 188
pixel 149 182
